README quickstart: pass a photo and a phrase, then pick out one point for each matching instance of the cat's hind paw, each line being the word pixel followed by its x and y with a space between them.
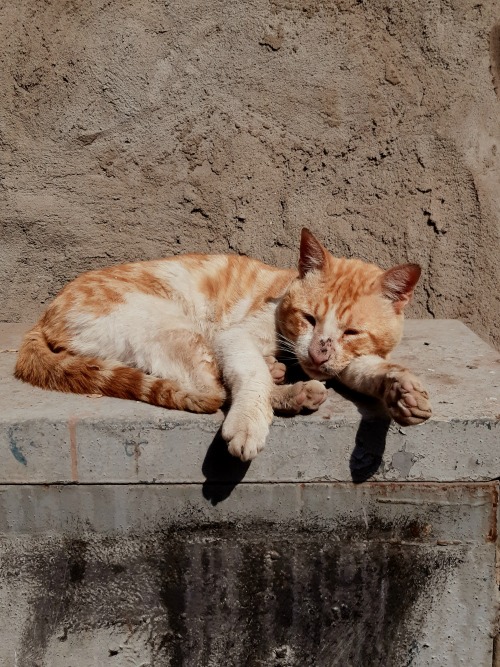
pixel 310 395
pixel 276 368
pixel 299 396
pixel 407 400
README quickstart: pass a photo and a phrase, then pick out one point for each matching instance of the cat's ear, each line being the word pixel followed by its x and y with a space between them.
pixel 398 284
pixel 312 253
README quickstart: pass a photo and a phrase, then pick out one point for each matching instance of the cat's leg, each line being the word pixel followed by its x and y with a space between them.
pixel 246 374
pixel 293 398
pixel 185 357
pixel 402 392
pixel 147 350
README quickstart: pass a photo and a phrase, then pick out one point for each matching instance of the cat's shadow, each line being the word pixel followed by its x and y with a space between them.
pixel 223 472
pixel 371 436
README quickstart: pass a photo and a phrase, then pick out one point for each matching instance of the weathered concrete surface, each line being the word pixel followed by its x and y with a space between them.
pixel 283 575
pixel 139 129
pixel 48 437
pixel 284 569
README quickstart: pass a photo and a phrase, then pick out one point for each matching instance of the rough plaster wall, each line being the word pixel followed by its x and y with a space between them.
pixel 135 129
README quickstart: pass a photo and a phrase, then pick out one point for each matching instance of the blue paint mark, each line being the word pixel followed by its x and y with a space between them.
pixel 133 448
pixel 130 447
pixel 17 453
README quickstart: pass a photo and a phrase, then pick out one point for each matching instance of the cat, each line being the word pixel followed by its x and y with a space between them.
pixel 188 332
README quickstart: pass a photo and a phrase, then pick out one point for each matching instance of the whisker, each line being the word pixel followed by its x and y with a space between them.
pixel 282 336
pixel 284 341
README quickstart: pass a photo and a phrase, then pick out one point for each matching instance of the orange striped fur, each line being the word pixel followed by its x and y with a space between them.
pixel 186 332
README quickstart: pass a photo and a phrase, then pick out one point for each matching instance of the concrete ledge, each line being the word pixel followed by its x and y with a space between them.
pixel 116 548
pixel 47 437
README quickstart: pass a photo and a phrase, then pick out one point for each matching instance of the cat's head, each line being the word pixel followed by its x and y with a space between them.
pixel 339 309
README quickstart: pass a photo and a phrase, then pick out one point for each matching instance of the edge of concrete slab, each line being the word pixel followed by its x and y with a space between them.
pixel 48 437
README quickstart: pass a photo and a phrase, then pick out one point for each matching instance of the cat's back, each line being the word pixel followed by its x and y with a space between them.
pixel 229 286
pixel 194 279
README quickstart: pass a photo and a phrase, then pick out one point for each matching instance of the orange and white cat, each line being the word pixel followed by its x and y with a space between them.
pixel 188 332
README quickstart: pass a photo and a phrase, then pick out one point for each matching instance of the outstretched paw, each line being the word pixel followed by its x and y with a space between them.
pixel 406 399
pixel 276 369
pixel 245 433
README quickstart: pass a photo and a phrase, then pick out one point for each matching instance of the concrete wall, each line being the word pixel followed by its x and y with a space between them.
pixel 279 575
pixel 133 130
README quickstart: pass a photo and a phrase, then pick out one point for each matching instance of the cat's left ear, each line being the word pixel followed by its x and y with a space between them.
pixel 398 284
pixel 312 253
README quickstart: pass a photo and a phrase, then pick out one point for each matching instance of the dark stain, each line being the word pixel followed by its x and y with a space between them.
pixel 59 572
pixel 251 590
pixel 172 565
pixel 282 594
pixel 76 561
pixel 240 594
pixel 495 57
pixel 493 531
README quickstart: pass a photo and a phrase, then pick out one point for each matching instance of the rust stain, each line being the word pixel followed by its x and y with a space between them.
pixel 419 530
pixel 137 453
pixel 470 487
pixel 73 448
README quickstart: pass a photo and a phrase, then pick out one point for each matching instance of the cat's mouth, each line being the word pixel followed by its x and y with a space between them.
pixel 331 368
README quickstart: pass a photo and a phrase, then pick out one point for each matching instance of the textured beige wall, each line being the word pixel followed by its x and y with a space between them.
pixel 139 128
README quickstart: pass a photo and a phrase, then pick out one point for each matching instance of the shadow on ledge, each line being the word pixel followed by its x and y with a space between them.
pixel 368 451
pixel 223 471
pixel 371 436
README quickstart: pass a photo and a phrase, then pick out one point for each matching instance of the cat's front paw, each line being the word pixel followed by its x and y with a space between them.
pixel 406 399
pixel 245 433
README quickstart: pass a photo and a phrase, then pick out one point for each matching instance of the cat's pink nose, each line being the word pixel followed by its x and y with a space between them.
pixel 319 356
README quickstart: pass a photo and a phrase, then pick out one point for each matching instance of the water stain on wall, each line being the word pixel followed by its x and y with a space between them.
pixel 234 594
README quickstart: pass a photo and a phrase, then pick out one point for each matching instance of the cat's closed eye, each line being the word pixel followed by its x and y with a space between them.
pixel 351 332
pixel 310 319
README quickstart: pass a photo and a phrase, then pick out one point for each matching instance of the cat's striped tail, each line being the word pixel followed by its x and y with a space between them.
pixel 58 369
